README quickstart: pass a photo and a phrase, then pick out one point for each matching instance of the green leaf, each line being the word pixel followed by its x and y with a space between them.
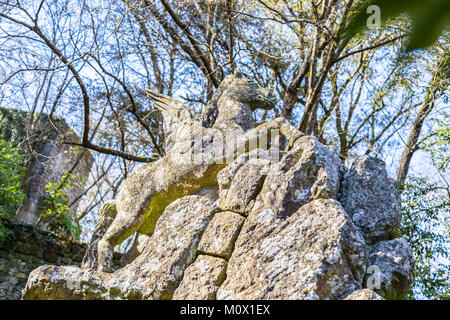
pixel 429 19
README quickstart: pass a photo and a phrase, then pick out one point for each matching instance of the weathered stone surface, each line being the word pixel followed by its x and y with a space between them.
pixel 172 247
pixel 309 171
pixel 364 294
pixel 202 279
pixel 392 264
pixel 241 181
pixel 211 192
pixel 64 283
pixel 316 253
pixel 195 155
pixel 370 197
pixel 221 233
pixel 155 274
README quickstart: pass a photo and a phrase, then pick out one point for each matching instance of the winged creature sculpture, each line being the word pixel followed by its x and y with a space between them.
pixel 196 150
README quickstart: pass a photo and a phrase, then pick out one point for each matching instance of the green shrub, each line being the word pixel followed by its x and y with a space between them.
pixel 57 205
pixel 11 173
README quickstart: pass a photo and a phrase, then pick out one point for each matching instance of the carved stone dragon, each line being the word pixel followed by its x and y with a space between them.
pixel 195 153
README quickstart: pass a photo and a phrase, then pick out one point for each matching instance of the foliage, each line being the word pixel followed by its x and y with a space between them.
pixel 439 144
pixel 426 227
pixel 430 18
pixel 11 172
pixel 426 219
pixel 57 204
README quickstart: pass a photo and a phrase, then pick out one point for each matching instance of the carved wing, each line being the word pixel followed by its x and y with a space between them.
pixel 175 115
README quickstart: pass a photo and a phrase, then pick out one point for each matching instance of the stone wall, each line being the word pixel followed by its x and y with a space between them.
pixel 28 248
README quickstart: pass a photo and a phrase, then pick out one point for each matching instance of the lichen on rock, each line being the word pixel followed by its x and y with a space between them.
pixel 202 279
pixel 363 294
pixel 155 274
pixel 316 253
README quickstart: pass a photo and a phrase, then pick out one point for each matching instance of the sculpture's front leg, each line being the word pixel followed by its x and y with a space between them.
pixel 106 217
pixel 287 130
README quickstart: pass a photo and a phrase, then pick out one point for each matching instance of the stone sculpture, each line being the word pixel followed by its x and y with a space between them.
pixel 195 154
pixel 299 227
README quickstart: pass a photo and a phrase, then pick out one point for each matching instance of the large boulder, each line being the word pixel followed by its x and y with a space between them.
pixel 221 234
pixel 371 199
pixel 309 171
pixel 316 253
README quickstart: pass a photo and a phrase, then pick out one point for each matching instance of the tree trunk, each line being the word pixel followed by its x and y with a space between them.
pixel 412 144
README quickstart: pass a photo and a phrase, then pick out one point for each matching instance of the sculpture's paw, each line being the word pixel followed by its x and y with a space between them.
pixel 106 269
pixel 86 265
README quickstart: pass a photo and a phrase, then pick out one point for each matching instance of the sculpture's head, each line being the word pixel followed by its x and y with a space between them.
pixel 249 92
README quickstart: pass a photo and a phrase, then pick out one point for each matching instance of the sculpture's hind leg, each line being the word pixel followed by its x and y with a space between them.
pixel 121 228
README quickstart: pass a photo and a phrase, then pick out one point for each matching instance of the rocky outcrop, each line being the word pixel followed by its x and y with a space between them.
pixel 302 227
pixel 316 253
